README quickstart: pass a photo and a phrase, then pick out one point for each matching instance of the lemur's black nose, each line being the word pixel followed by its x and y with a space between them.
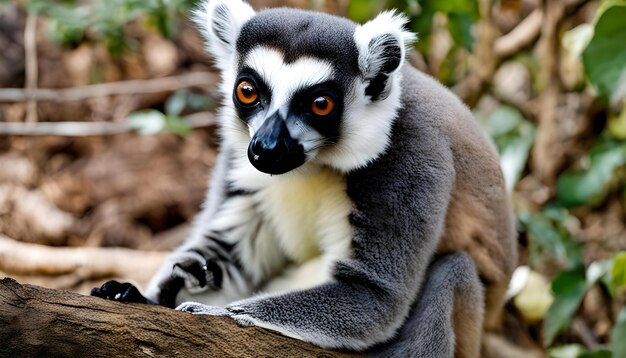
pixel 272 150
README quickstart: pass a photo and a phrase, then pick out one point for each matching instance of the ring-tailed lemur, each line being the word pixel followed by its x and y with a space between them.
pixel 355 203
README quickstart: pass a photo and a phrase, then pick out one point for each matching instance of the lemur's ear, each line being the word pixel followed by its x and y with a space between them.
pixel 382 44
pixel 219 22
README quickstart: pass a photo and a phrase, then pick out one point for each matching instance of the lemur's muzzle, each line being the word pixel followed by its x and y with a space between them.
pixel 272 150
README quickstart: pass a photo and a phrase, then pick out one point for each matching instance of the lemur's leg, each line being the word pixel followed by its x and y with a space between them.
pixel 448 316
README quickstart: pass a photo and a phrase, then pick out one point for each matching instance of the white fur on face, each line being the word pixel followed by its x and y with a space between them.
pixel 365 130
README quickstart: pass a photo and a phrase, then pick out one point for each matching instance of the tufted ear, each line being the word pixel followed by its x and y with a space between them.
pixel 382 44
pixel 220 22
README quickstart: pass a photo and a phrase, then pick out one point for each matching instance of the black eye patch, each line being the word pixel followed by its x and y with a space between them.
pixel 311 105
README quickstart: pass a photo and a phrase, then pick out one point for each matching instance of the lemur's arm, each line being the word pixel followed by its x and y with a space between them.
pixel 394 239
pixel 207 260
pixel 208 263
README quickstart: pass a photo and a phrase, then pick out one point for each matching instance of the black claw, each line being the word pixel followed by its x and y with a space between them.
pixel 169 290
pixel 122 292
pixel 196 269
pixel 236 310
pixel 192 309
pixel 216 271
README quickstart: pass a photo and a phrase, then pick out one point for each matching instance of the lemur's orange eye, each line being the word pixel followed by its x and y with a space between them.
pixel 246 93
pixel 322 106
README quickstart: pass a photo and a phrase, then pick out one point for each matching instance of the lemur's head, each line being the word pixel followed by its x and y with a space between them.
pixel 304 86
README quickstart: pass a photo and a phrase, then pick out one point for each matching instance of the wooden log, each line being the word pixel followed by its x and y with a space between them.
pixel 36 321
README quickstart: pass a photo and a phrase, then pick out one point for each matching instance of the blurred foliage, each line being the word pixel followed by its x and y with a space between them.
pixel 514 136
pixel 592 185
pixel 71 22
pixel 605 56
pixel 569 289
pixel 578 351
pixel 601 175
pixel 152 122
pixel 618 272
pixel 551 246
pixel 74 21
pixel 460 15
pixel 618 344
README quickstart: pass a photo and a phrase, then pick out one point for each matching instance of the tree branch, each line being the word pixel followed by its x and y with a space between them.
pixel 82 129
pixel 30 259
pixel 36 321
pixel 165 84
pixel 524 34
pixel 32 75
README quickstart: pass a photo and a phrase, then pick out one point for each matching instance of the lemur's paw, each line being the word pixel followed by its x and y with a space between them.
pixel 199 308
pixel 243 320
pixel 122 292
pixel 198 274
pixel 234 313
pixel 239 315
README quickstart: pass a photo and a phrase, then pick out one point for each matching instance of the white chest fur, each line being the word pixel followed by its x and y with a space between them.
pixel 309 214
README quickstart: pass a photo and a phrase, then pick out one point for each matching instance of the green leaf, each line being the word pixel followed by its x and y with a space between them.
pixel 514 137
pixel 618 335
pixel 590 187
pixel 460 27
pixel 423 26
pixel 578 351
pixel 513 157
pixel 616 124
pixel 604 58
pixel 147 122
pixel 363 10
pixel 198 102
pixel 569 289
pixel 502 120
pixel 618 271
pixel 176 103
pixel 566 351
pixel 576 40
pixel 467 7
pixel 461 15
pixel 597 270
pixel 550 241
pixel 598 353
pixel 177 125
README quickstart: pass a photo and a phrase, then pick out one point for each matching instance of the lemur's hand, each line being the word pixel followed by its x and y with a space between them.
pixel 189 270
pixel 122 292
pixel 234 311
pixel 199 308
pixel 196 272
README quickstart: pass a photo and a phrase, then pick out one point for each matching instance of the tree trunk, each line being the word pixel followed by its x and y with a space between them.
pixel 36 321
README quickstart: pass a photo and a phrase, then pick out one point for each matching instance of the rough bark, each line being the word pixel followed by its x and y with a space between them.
pixel 36 321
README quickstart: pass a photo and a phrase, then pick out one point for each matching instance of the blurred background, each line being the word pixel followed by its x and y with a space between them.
pixel 107 138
